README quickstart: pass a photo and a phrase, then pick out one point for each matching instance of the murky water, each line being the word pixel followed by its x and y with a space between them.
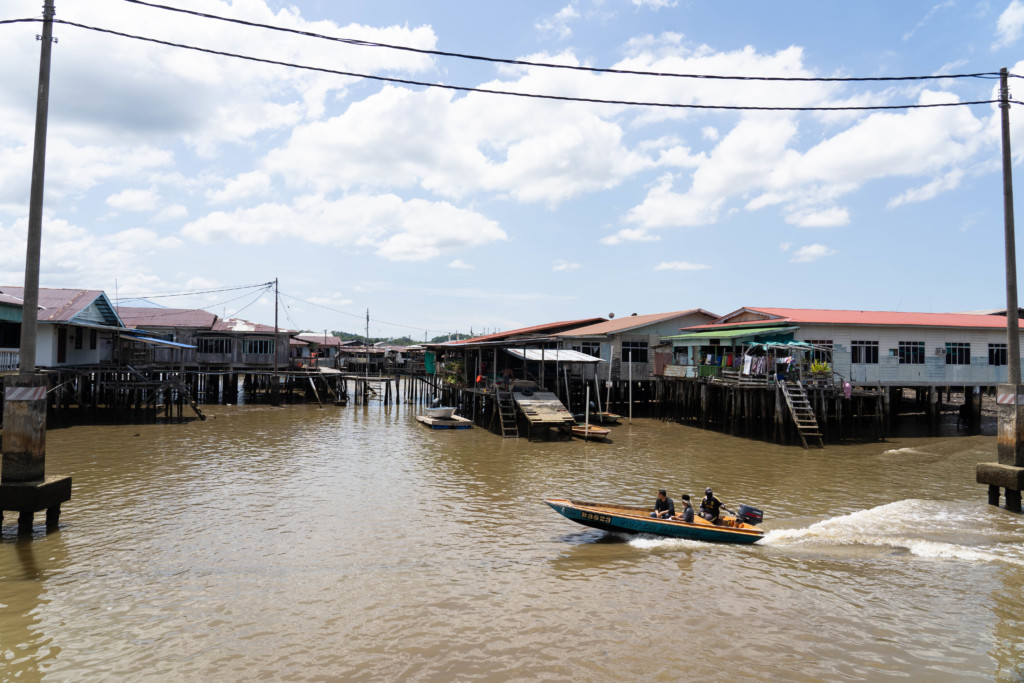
pixel 349 543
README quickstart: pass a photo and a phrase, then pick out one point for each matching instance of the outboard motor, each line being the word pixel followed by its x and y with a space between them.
pixel 750 515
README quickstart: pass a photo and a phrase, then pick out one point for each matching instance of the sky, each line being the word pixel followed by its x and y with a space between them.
pixel 178 178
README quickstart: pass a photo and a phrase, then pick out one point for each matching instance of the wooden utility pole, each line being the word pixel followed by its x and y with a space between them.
pixel 23 484
pixel 275 387
pixel 1008 471
pixel 1012 329
pixel 30 307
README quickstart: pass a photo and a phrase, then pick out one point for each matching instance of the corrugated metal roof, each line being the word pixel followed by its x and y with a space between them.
pixel 138 316
pixel 239 325
pixel 58 305
pixel 550 328
pixel 314 338
pixel 732 333
pixel 630 322
pixel 8 299
pixel 848 317
pixel 152 341
pixel 554 355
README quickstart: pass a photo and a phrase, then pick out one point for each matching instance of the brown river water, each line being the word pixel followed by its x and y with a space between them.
pixel 353 543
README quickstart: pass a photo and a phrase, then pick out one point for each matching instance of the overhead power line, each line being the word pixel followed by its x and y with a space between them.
pixel 512 93
pixel 361 316
pixel 163 295
pixel 549 65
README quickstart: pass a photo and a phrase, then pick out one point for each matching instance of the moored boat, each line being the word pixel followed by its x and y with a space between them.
pixel 589 433
pixel 633 519
pixel 605 418
pixel 441 412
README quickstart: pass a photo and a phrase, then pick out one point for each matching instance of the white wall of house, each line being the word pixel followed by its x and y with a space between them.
pixel 889 371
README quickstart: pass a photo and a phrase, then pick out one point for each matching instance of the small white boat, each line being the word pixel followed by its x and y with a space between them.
pixel 441 412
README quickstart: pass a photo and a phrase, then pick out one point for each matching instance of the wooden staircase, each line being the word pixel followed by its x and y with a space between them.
pixel 507 413
pixel 803 414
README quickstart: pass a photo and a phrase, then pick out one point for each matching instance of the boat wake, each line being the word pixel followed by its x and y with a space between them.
pixel 648 542
pixel 926 529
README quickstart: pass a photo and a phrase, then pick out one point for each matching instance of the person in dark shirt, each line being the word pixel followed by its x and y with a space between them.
pixel 664 508
pixel 709 506
pixel 687 513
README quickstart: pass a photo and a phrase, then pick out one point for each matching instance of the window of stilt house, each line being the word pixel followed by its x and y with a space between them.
pixel 997 354
pixel 864 352
pixel 958 353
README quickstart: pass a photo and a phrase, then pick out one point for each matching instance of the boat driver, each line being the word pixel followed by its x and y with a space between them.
pixel 709 506
pixel 664 507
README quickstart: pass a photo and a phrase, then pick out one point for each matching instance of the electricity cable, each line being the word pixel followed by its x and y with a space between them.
pixel 548 65
pixel 512 93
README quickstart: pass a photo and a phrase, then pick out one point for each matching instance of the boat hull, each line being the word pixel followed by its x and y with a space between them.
pixel 637 521
pixel 591 433
pixel 443 413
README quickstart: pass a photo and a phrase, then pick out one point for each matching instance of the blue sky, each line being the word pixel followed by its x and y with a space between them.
pixel 173 171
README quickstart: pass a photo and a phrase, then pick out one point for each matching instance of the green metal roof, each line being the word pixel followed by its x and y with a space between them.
pixel 731 333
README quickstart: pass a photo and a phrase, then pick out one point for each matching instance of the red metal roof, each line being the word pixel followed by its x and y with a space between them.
pixel 630 322
pixel 137 316
pixel 845 317
pixel 550 328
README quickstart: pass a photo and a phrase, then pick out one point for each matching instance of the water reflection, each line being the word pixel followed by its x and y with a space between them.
pixel 25 565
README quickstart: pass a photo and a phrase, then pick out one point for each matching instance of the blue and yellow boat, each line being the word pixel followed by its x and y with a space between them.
pixel 632 519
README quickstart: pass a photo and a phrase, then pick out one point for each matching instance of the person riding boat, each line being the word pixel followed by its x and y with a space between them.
pixel 687 514
pixel 709 506
pixel 664 507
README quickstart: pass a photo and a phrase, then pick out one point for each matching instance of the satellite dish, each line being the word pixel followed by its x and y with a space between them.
pixel 611 315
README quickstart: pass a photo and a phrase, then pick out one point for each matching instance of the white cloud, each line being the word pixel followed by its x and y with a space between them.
pixel 629 235
pixel 949 181
pixel 655 4
pixel 757 162
pixel 927 17
pixel 333 299
pixel 135 200
pixel 825 218
pixel 710 133
pixel 242 187
pixel 681 265
pixel 76 257
pixel 172 212
pixel 812 252
pixel 1010 25
pixel 558 24
pixel 398 138
pixel 459 264
pixel 397 230
pixel 562 264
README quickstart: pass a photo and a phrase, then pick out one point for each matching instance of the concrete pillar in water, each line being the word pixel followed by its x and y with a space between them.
pixel 24 486
pixel 1008 471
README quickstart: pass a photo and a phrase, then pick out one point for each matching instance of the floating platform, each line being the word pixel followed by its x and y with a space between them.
pixel 453 422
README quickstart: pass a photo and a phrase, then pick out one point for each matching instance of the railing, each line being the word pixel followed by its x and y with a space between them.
pixel 9 361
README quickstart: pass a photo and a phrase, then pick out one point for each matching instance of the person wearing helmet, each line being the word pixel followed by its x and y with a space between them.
pixel 709 506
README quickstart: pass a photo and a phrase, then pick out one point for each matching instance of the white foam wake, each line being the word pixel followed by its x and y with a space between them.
pixel 903 525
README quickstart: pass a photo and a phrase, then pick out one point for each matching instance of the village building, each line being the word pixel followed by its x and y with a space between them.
pixel 633 344
pixel 76 327
pixel 214 344
pixel 315 349
pixel 863 348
